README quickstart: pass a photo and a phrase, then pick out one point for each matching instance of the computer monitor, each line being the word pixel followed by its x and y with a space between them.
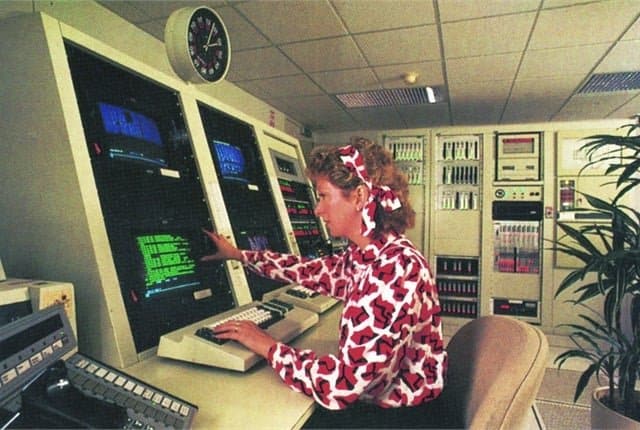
pixel 165 284
pixel 246 189
pixel 130 135
pixel 168 263
pixel 231 161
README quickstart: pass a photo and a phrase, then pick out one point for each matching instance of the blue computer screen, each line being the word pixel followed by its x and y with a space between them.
pixel 131 135
pixel 231 161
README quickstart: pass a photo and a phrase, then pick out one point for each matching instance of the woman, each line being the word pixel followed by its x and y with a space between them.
pixel 391 356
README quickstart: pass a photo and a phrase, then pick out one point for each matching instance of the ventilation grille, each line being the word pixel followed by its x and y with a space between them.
pixel 388 97
pixel 610 82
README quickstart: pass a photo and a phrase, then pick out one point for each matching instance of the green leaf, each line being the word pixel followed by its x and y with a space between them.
pixel 584 380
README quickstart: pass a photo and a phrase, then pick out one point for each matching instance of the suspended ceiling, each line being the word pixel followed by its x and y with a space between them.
pixel 494 61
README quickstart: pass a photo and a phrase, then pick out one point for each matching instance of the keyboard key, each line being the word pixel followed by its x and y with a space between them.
pixel 262 315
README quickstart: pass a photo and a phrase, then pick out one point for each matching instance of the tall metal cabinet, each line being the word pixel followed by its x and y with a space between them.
pixel 456 228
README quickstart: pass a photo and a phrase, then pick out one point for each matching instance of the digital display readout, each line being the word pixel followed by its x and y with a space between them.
pixel 521 145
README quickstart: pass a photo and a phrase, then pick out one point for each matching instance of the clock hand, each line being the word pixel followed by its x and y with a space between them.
pixel 206 46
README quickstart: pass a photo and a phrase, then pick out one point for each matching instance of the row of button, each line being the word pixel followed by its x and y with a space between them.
pixel 32 361
pixel 133 387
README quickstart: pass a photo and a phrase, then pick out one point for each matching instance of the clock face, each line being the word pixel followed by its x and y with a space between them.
pixel 208 44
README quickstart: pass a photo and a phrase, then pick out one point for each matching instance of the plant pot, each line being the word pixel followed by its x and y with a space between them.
pixel 603 417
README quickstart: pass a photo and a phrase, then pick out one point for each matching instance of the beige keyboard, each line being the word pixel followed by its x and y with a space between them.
pixel 303 297
pixel 196 343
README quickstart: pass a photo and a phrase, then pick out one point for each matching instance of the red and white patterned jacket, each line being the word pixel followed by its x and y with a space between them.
pixel 390 350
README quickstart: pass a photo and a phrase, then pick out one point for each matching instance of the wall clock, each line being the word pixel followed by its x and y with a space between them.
pixel 197 44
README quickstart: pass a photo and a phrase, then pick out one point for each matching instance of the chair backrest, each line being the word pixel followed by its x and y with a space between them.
pixel 496 366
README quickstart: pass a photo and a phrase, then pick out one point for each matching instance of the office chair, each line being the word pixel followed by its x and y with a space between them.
pixel 496 366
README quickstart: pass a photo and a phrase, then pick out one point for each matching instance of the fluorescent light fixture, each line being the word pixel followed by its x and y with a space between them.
pixel 610 82
pixel 431 95
pixel 388 97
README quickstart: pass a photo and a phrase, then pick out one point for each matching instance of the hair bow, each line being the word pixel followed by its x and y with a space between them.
pixel 382 194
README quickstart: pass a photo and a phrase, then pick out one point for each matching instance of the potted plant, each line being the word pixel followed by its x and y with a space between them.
pixel 607 335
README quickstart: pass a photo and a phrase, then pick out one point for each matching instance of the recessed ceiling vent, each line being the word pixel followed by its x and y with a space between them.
pixel 610 82
pixel 388 97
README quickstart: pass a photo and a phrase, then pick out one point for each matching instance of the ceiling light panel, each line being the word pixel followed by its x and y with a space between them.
pixel 388 97
pixel 610 82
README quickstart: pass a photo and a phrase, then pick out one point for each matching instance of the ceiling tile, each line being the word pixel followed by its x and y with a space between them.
pixel 538 110
pixel 588 106
pixel 554 4
pixel 154 9
pixel 260 63
pixel 284 21
pixel 362 16
pixel 284 86
pixel 319 104
pixel 328 54
pixel 485 68
pixel 379 118
pixel 583 24
pixel 254 87
pixel 424 115
pixel 341 81
pixel 476 112
pixel 400 46
pixel 628 110
pixel 461 10
pixel 336 121
pixel 475 103
pixel 487 36
pixel 280 103
pixel 624 57
pixel 538 99
pixel 561 61
pixel 494 91
pixel 318 112
pixel 125 9
pixel 242 34
pixel 634 32
pixel 533 89
pixel 429 73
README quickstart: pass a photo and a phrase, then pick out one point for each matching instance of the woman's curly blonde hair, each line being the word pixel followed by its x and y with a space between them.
pixel 325 161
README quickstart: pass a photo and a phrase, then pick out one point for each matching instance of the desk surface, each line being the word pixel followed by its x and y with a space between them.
pixel 226 399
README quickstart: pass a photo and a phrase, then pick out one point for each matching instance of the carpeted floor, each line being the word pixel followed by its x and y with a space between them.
pixel 564 416
pixel 555 401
